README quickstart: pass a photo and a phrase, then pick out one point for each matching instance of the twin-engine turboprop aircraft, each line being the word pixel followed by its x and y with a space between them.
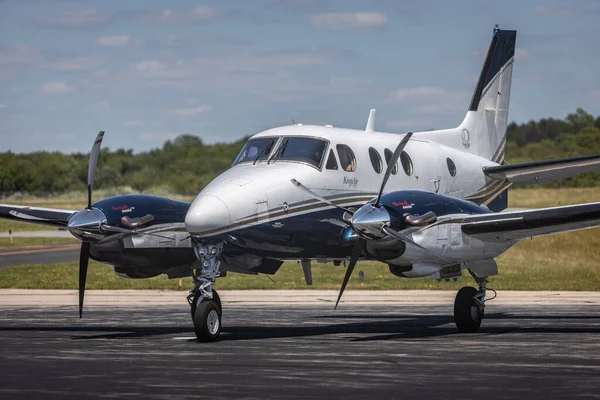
pixel 313 193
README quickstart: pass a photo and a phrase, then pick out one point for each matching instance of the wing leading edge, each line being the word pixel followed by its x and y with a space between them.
pixel 544 171
pixel 518 225
pixel 52 217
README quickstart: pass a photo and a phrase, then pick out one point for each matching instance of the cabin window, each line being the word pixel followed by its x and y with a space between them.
pixel 255 150
pixel 375 160
pixel 406 162
pixel 388 156
pixel 347 159
pixel 301 149
pixel 451 167
pixel 331 162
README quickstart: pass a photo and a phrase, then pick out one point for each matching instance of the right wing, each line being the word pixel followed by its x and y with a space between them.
pixel 543 171
pixel 518 225
pixel 52 217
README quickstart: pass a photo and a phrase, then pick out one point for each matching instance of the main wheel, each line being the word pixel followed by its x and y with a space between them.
pixel 207 321
pixel 467 316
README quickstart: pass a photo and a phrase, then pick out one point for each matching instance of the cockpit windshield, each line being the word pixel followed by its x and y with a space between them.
pixel 256 150
pixel 301 149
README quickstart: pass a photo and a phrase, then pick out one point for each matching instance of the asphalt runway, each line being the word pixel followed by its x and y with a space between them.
pixel 43 254
pixel 394 350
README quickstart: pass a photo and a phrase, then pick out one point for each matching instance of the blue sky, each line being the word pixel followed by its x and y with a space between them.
pixel 147 71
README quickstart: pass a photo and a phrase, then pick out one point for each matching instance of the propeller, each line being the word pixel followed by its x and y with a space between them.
pixel 356 252
pixel 391 165
pixel 84 255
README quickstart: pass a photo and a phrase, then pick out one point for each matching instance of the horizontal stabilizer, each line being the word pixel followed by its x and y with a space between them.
pixel 544 171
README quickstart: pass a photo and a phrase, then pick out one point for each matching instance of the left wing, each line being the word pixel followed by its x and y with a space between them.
pixel 518 225
pixel 52 217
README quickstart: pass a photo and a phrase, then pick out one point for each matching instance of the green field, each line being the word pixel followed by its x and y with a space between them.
pixel 568 261
pixel 26 241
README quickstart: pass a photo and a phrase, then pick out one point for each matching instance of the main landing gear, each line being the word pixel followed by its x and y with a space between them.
pixel 469 306
pixel 205 303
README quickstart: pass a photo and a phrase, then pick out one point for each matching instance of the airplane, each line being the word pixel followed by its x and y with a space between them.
pixel 431 207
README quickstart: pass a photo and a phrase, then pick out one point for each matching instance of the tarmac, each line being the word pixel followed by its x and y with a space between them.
pixel 292 344
pixel 42 254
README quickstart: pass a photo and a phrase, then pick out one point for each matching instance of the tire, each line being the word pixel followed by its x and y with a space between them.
pixel 207 321
pixel 462 311
pixel 216 298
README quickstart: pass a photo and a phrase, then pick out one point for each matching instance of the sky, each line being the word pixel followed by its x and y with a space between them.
pixel 148 71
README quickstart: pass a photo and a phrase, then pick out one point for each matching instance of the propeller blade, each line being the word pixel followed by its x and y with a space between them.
pixel 356 252
pixel 92 165
pixel 316 196
pixel 403 238
pixel 391 164
pixel 84 258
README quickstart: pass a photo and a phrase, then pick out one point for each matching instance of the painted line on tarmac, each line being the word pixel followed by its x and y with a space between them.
pixel 64 248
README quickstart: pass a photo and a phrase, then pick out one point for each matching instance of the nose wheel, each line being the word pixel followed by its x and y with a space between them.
pixel 206 314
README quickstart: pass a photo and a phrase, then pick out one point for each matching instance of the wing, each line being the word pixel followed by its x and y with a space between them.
pixel 524 224
pixel 36 215
pixel 544 171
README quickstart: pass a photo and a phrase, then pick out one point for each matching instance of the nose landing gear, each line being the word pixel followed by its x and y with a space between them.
pixel 205 303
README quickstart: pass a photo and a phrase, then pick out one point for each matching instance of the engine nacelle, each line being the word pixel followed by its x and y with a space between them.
pixel 417 270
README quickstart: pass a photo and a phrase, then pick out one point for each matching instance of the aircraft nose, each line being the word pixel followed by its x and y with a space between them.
pixel 207 214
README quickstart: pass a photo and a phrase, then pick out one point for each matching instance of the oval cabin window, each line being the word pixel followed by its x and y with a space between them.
pixel 388 156
pixel 375 160
pixel 406 162
pixel 451 167
pixel 346 156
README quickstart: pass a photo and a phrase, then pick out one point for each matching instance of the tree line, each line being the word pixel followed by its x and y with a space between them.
pixel 185 165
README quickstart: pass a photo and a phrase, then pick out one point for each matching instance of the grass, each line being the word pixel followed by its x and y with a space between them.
pixel 34 241
pixel 562 262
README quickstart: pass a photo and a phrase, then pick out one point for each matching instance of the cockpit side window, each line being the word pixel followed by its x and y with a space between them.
pixel 347 159
pixel 255 150
pixel 388 156
pixel 331 162
pixel 301 149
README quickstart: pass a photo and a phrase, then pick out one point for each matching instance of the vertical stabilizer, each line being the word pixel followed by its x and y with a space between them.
pixel 485 125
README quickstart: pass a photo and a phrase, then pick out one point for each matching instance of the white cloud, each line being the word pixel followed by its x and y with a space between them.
pixel 343 21
pixel 79 63
pixel 135 122
pixel 201 13
pixel 158 136
pixel 521 54
pixel 115 41
pixel 77 19
pixel 57 88
pixel 543 10
pixel 19 55
pixel 188 112
pixel 102 105
pixel 423 92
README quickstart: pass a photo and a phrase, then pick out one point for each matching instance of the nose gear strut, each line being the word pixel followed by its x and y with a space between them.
pixel 204 300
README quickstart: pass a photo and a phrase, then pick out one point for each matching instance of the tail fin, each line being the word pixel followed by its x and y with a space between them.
pixel 484 127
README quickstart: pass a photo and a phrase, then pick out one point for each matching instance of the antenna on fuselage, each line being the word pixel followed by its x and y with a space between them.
pixel 371 121
pixel 293 122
